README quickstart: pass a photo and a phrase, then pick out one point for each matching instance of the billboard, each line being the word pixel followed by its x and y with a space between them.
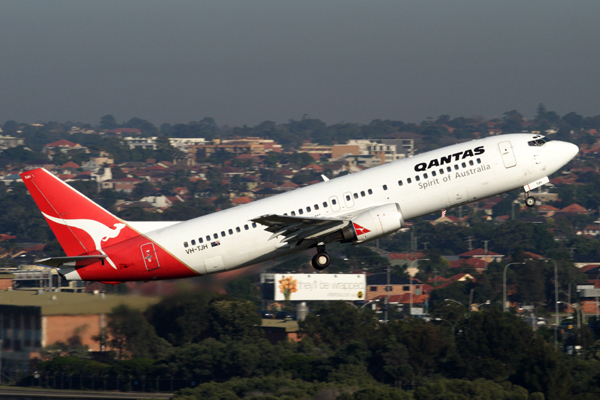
pixel 303 287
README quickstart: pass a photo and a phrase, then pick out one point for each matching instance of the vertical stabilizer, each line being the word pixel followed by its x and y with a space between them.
pixel 80 225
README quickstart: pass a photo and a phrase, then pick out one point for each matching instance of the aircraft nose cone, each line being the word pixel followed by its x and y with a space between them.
pixel 558 154
pixel 570 150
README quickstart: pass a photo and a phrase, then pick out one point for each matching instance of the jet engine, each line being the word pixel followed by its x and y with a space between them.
pixel 374 223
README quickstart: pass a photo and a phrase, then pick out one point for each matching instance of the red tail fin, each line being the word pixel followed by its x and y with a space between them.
pixel 80 225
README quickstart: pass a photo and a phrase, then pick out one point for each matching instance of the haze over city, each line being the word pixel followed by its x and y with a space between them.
pixel 247 62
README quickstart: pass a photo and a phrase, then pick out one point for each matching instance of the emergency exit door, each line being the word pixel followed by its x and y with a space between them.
pixel 508 156
pixel 149 256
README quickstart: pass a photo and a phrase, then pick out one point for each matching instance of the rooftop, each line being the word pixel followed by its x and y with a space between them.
pixel 65 303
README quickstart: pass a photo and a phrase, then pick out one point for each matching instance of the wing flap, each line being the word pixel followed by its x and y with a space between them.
pixel 294 228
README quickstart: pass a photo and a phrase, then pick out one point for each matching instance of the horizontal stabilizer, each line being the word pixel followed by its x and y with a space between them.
pixel 56 262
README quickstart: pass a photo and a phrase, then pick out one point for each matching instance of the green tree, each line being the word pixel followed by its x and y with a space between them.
pixel 542 370
pixel 19 155
pixel 491 345
pixel 131 335
pixel 182 318
pixel 108 122
pixel 337 323
pixel 233 319
pixel 142 190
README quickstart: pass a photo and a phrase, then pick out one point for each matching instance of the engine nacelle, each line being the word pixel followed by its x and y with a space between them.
pixel 375 223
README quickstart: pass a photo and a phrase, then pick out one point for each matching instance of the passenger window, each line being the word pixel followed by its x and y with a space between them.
pixel 325 204
pixel 479 161
pixel 449 169
pixel 441 171
pixel 200 240
pixel 308 209
pixel 316 207
pixel 237 229
pixel 433 173
pixel 300 211
pixel 362 193
pixel 471 162
pixel 293 213
pixel 417 178
pixel 356 195
pixel 384 187
pixel 193 242
pixel 348 197
pixel 246 227
pixel 254 224
pixel 208 238
pixel 216 235
pixel 333 201
pixel 370 191
pixel 464 165
pixel 231 231
pixel 223 233
pixel 425 176
pixel 185 244
pixel 400 183
pixel 456 166
pixel 408 180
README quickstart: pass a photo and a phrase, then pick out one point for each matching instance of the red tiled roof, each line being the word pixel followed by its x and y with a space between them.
pixel 476 263
pixel 437 279
pixel 404 298
pixel 532 255
pixel 406 256
pixel 70 164
pixel 479 253
pixel 241 200
pixel 574 208
pixel 127 179
pixel 457 277
pixel 65 176
pixel 62 142
pixel 314 167
pixel 589 267
pixel 37 247
pixel 288 184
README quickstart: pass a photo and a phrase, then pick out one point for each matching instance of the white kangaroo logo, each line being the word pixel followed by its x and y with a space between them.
pixel 97 231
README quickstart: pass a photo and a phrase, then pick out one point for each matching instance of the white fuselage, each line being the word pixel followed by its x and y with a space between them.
pixel 507 162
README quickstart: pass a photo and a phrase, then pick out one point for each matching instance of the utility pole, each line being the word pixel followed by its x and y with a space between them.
pixel 387 289
pixel 470 240
pixel 572 251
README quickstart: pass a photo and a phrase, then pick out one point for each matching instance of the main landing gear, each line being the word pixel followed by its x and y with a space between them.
pixel 529 201
pixel 321 260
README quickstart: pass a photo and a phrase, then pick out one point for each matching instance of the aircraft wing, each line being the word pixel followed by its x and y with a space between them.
pixel 297 228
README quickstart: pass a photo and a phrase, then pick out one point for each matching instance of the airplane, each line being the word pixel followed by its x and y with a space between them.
pixel 355 208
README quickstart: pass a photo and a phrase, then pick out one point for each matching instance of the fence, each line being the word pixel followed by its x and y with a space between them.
pixel 122 383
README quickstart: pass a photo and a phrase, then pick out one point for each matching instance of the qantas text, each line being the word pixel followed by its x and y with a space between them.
pixel 436 162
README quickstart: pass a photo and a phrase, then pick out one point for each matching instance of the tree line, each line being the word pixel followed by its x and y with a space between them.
pixel 216 342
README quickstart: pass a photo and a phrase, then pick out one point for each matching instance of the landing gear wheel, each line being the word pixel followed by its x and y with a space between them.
pixel 321 261
pixel 529 201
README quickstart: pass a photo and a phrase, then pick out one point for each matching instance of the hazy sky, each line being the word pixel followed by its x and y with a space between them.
pixel 248 61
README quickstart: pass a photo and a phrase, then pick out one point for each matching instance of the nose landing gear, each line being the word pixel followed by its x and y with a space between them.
pixel 321 260
pixel 529 201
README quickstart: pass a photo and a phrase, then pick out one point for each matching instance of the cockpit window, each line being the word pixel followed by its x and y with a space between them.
pixel 537 142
